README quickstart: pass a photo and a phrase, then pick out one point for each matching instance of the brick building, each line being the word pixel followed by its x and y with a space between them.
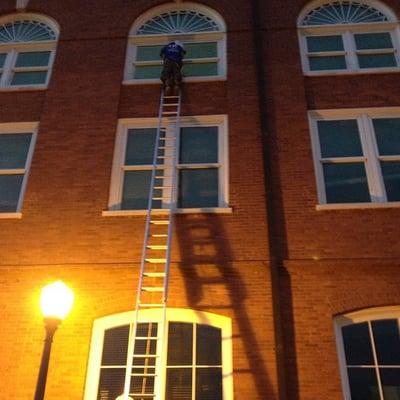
pixel 285 246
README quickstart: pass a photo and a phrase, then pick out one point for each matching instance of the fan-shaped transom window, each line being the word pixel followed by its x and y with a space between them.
pixel 178 21
pixel 348 36
pixel 200 29
pixel 27 47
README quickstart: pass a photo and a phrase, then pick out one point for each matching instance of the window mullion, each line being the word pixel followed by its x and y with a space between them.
pixel 350 47
pixel 194 361
pixel 7 68
pixel 372 167
pixel 378 376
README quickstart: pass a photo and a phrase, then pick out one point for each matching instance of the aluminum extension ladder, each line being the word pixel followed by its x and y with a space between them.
pixel 144 378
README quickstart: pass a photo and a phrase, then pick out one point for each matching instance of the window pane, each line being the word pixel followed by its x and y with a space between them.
pixel 115 346
pixel 140 146
pixel 201 50
pixel 198 145
pixel 198 188
pixel 33 59
pixel 180 343
pixel 208 383
pixel 200 69
pixel 10 188
pixel 148 71
pixel 365 41
pixel 357 344
pixel 390 378
pixel 29 78
pixel 2 59
pixel 142 385
pixel 327 63
pixel 324 43
pixel 111 383
pixel 387 132
pixel 377 60
pixel 363 384
pixel 179 384
pixel 136 188
pixel 387 341
pixel 391 177
pixel 14 150
pixel 346 183
pixel 339 138
pixel 148 53
pixel 208 347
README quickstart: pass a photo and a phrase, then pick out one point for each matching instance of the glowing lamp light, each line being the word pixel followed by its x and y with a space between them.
pixel 56 300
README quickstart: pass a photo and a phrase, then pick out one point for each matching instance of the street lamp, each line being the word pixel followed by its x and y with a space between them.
pixel 55 302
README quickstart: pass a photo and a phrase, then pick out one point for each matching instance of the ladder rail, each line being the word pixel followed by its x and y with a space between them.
pixel 159 163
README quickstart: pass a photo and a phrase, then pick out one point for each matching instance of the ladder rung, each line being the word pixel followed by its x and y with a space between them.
pixel 151 305
pixel 144 374
pixel 160 222
pixel 169 112
pixel 153 288
pixel 156 260
pixel 165 157
pixel 154 274
pixel 147 337
pixel 162 187
pixel 171 97
pixel 157 246
pixel 159 235
pixel 163 177
pixel 161 198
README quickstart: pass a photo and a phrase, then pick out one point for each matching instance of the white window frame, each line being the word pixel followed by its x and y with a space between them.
pixel 13 48
pixel 347 31
pixel 141 40
pixel 370 158
pixel 19 128
pixel 371 314
pixel 156 315
pixel 117 175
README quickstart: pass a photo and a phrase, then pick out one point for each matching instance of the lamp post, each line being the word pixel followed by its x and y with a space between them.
pixel 55 302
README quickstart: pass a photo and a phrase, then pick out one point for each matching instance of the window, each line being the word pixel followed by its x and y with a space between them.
pixel 16 150
pixel 348 36
pixel 357 155
pixel 199 28
pixel 197 364
pixel 369 353
pixel 201 167
pixel 27 48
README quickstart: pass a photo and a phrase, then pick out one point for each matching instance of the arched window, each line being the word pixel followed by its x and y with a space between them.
pixel 350 36
pixel 27 47
pixel 368 344
pixel 200 29
pixel 197 364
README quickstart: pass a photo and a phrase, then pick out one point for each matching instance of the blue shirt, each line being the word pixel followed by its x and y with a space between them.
pixel 173 52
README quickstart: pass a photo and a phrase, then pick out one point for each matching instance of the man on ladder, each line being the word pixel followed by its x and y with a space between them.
pixel 171 75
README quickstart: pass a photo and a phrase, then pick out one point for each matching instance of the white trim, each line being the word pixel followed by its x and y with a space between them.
pixel 21 4
pixel 52 23
pixel 155 315
pixel 370 157
pixel 10 215
pixel 220 121
pixel 136 40
pixel 366 315
pixel 20 128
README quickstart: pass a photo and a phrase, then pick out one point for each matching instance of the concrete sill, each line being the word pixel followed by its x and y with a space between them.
pixel 10 215
pixel 127 213
pixel 352 206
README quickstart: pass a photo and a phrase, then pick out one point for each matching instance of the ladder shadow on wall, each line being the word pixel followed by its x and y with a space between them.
pixel 213 283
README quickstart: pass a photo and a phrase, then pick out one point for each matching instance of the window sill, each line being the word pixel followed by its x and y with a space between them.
pixel 158 81
pixel 353 72
pixel 350 206
pixel 22 88
pixel 10 215
pixel 127 213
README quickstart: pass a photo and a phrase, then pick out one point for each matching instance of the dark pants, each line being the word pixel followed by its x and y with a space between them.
pixel 171 74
